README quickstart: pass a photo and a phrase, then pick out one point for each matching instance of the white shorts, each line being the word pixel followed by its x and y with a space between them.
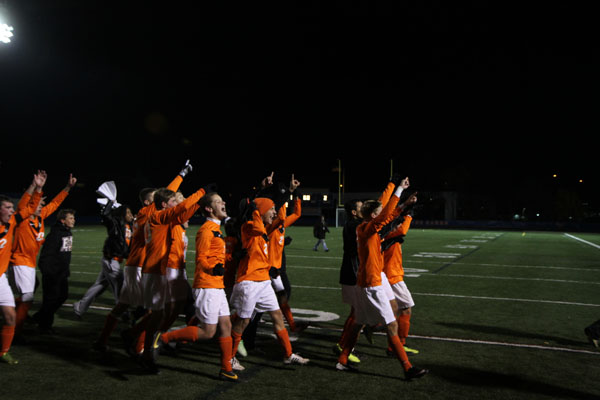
pixel 131 292
pixel 178 287
pixel 251 297
pixel 374 307
pixel 21 279
pixel 350 294
pixel 6 295
pixel 210 305
pixel 277 284
pixel 387 287
pixel 402 295
pixel 154 291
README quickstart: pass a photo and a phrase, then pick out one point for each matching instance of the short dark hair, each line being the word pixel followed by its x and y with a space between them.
pixel 205 202
pixel 4 198
pixel 162 195
pixel 145 194
pixel 351 206
pixel 62 213
pixel 369 207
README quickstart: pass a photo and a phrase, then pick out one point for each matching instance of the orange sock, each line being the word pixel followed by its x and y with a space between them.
pixel 226 346
pixel 236 339
pixel 22 308
pixel 6 336
pixel 287 313
pixel 109 325
pixel 187 334
pixel 141 340
pixel 284 340
pixel 399 351
pixel 349 322
pixel 403 327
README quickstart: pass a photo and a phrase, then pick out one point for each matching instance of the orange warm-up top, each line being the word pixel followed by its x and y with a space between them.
pixel 158 232
pixel 29 234
pixel 276 232
pixel 210 251
pixel 7 230
pixel 255 265
pixel 369 245
pixel 138 241
pixel 392 257
pixel 179 244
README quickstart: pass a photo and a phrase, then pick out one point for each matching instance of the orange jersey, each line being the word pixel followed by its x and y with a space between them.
pixel 138 241
pixel 369 247
pixel 210 251
pixel 158 232
pixel 7 230
pixel 276 232
pixel 179 243
pixel 392 257
pixel 29 234
pixel 255 265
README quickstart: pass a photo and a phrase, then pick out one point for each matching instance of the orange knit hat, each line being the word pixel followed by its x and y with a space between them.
pixel 263 204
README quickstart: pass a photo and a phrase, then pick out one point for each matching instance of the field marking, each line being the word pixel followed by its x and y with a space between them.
pixel 583 241
pixel 518 279
pixel 512 266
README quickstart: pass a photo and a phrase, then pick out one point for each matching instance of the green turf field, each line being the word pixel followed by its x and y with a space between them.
pixel 499 315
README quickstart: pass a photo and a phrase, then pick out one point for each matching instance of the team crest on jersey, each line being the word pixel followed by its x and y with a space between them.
pixel 67 244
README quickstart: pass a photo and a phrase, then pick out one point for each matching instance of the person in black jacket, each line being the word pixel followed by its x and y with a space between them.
pixel 116 249
pixel 319 231
pixel 54 262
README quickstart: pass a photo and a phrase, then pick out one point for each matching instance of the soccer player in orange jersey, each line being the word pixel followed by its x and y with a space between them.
pixel 374 305
pixel 253 292
pixel 210 300
pixel 9 221
pixel 131 290
pixel 28 238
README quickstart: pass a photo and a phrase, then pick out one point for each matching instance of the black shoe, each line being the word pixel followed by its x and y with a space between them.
pixel 229 376
pixel 415 373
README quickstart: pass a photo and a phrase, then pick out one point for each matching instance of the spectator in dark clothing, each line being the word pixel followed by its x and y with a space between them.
pixel 319 231
pixel 54 262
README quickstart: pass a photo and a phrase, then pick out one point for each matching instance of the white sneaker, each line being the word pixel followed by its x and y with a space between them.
pixel 295 359
pixel 235 365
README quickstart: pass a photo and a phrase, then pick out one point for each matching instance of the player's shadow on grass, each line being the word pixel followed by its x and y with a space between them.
pixel 512 333
pixel 488 379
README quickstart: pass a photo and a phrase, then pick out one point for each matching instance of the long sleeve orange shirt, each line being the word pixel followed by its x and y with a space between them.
pixel 392 257
pixel 255 265
pixel 210 251
pixel 29 234
pixel 276 232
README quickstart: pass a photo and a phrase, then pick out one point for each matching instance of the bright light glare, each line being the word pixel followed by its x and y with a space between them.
pixel 6 32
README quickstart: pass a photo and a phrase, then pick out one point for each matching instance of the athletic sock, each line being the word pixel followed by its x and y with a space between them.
pixel 22 308
pixel 226 346
pixel 140 342
pixel 403 327
pixel 349 322
pixel 187 334
pixel 7 332
pixel 109 325
pixel 284 340
pixel 399 352
pixel 236 339
pixel 287 313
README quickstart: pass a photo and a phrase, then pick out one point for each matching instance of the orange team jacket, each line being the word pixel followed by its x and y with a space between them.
pixel 158 232
pixel 231 263
pixel 138 241
pixel 392 257
pixel 255 265
pixel 29 234
pixel 369 247
pixel 178 249
pixel 210 251
pixel 7 230
pixel 276 232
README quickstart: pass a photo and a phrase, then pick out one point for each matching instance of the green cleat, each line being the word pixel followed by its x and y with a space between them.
pixel 411 351
pixel 6 358
pixel 352 357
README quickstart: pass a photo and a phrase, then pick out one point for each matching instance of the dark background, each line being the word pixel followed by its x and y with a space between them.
pixel 488 99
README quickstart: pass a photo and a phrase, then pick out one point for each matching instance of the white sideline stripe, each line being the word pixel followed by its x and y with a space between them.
pixel 471 297
pixel 583 241
pixel 514 279
pixel 504 265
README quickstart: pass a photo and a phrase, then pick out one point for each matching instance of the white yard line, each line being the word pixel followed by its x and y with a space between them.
pixel 582 241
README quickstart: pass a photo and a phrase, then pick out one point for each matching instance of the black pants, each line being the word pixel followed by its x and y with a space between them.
pixel 55 291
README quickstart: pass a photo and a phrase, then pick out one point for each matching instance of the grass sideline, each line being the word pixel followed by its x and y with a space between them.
pixel 499 315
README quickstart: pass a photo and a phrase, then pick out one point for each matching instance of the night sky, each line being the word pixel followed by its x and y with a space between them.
pixel 484 97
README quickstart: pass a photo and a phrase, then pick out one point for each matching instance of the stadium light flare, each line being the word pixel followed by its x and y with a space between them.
pixel 6 32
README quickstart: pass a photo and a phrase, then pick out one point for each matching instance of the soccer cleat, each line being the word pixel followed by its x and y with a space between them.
pixel 6 358
pixel 408 350
pixel 295 359
pixel 352 357
pixel 593 340
pixel 415 373
pixel 228 376
pixel 345 367
pixel 236 366
pixel 242 349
